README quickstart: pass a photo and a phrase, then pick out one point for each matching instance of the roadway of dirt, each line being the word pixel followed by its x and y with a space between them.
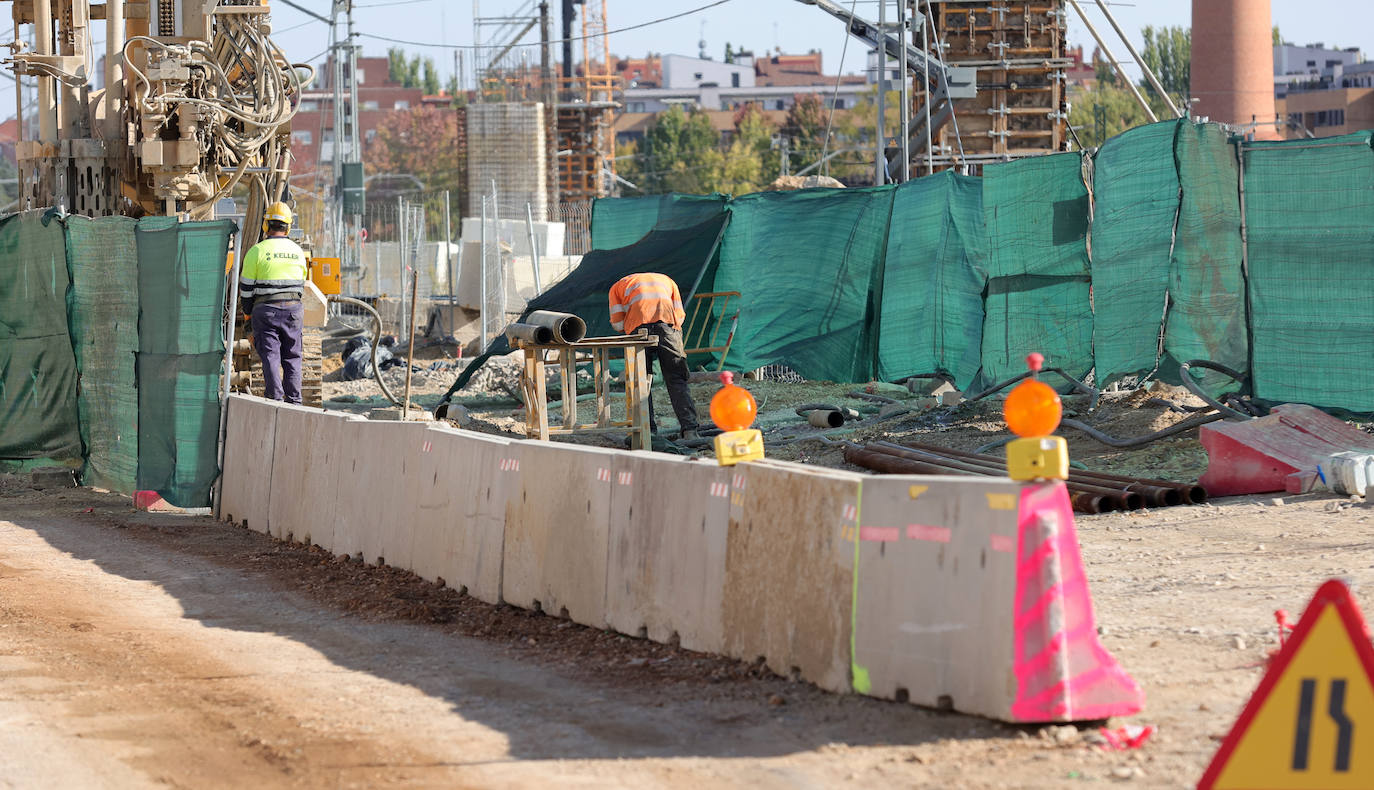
pixel 169 650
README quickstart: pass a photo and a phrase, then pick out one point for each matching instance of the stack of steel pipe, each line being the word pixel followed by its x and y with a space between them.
pixel 1091 492
pixel 1157 493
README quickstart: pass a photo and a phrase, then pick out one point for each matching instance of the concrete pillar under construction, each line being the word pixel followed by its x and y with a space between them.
pixel 1232 72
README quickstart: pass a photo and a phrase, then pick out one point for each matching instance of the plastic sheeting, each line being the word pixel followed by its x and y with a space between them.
pixel 933 278
pixel 38 414
pixel 1309 209
pixel 809 266
pixel 1037 294
pixel 621 222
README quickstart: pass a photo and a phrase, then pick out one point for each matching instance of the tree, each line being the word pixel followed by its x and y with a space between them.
pixel 1103 112
pixel 430 81
pixel 1278 37
pixel 1106 75
pixel 749 163
pixel 1168 52
pixel 681 153
pixel 419 142
pixel 805 127
pixel 416 72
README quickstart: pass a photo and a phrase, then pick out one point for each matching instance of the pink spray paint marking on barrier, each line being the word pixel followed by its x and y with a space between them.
pixel 880 534
pixel 1062 672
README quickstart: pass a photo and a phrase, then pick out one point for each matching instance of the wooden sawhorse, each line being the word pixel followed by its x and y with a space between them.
pixel 599 351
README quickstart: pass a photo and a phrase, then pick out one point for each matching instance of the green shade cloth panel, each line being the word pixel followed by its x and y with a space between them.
pixel 38 379
pixel 620 222
pixel 1038 299
pixel 181 291
pixel 103 316
pixel 809 266
pixel 1309 208
pixel 1135 206
pixel 1207 314
pixel 933 279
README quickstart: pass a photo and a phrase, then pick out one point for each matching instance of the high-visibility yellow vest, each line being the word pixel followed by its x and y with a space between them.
pixel 274 267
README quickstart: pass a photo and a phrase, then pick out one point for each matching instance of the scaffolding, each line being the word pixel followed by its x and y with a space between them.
pixel 586 115
pixel 1017 50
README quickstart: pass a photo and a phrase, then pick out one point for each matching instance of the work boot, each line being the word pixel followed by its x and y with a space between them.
pixel 688 435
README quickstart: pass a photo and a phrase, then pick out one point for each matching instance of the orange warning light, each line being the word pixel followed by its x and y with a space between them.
pixel 732 407
pixel 1033 408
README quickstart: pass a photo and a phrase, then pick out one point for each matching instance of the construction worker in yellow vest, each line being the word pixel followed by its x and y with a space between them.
pixel 652 301
pixel 270 288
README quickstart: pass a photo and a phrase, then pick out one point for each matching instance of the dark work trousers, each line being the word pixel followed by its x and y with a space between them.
pixel 672 357
pixel 277 336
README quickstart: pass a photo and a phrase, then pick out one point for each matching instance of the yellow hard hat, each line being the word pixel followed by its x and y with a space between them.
pixel 277 212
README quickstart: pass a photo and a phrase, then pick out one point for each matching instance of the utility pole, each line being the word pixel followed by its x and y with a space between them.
pixel 347 205
pixel 880 174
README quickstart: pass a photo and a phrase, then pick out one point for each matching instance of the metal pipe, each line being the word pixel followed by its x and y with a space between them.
pixel 1159 493
pixel 905 117
pixel 880 175
pixel 1144 105
pixel 482 286
pixel 566 327
pixel 532 333
pixel 410 354
pixel 448 252
pixel 114 53
pixel 1139 61
pixel 1121 498
pixel 825 418
pixel 1083 502
pixel 534 250
pixel 47 97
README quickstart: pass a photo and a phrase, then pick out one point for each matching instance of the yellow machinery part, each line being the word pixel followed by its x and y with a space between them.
pixel 326 275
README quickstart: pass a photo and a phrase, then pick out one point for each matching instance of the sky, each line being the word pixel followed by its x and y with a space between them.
pixel 750 24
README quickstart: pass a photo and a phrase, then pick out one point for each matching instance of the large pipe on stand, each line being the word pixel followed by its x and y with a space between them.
pixel 566 327
pixel 1083 502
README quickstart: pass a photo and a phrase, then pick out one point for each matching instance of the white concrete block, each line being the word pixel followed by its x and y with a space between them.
pixel 557 531
pixel 788 569
pixel 373 516
pixel 251 425
pixel 934 613
pixel 668 530
pixel 460 516
pixel 305 479
pixel 549 236
pixel 1350 473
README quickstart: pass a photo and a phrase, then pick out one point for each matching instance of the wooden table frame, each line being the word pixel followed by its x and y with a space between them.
pixel 599 351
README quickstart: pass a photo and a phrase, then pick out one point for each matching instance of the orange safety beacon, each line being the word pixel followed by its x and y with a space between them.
pixel 1033 411
pixel 733 410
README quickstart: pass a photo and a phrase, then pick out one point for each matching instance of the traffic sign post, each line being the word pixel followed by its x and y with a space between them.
pixel 1310 724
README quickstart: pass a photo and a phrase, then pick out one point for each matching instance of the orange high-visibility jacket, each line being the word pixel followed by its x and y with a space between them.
pixel 643 299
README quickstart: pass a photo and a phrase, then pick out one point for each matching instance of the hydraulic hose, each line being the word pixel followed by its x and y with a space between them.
pixel 376 340
pixel 1193 387
pixel 1136 441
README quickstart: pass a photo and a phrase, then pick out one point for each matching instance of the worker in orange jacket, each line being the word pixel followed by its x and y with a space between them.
pixel 652 301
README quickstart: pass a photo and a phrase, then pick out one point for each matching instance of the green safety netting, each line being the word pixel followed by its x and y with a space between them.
pixel 809 266
pixel 1206 282
pixel 1309 211
pixel 933 278
pixel 620 222
pixel 684 254
pixel 103 317
pixel 1038 278
pixel 181 290
pixel 1135 205
pixel 38 382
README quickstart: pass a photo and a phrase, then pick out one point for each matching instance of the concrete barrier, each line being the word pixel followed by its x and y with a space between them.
pixel 788 569
pixel 666 569
pixel 557 531
pixel 373 515
pixel 245 483
pixel 459 516
pixel 933 596
pixel 305 479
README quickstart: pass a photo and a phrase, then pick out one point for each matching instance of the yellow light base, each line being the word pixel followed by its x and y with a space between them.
pixel 1040 457
pixel 735 446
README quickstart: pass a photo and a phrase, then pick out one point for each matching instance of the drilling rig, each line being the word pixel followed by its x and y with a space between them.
pixel 195 106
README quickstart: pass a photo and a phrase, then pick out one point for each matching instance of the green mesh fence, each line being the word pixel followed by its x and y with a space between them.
pixel 808 265
pixel 1206 283
pixel 1135 205
pixel 181 290
pixel 933 278
pixel 103 316
pixel 621 222
pixel 1309 210
pixel 38 415
pixel 1037 293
